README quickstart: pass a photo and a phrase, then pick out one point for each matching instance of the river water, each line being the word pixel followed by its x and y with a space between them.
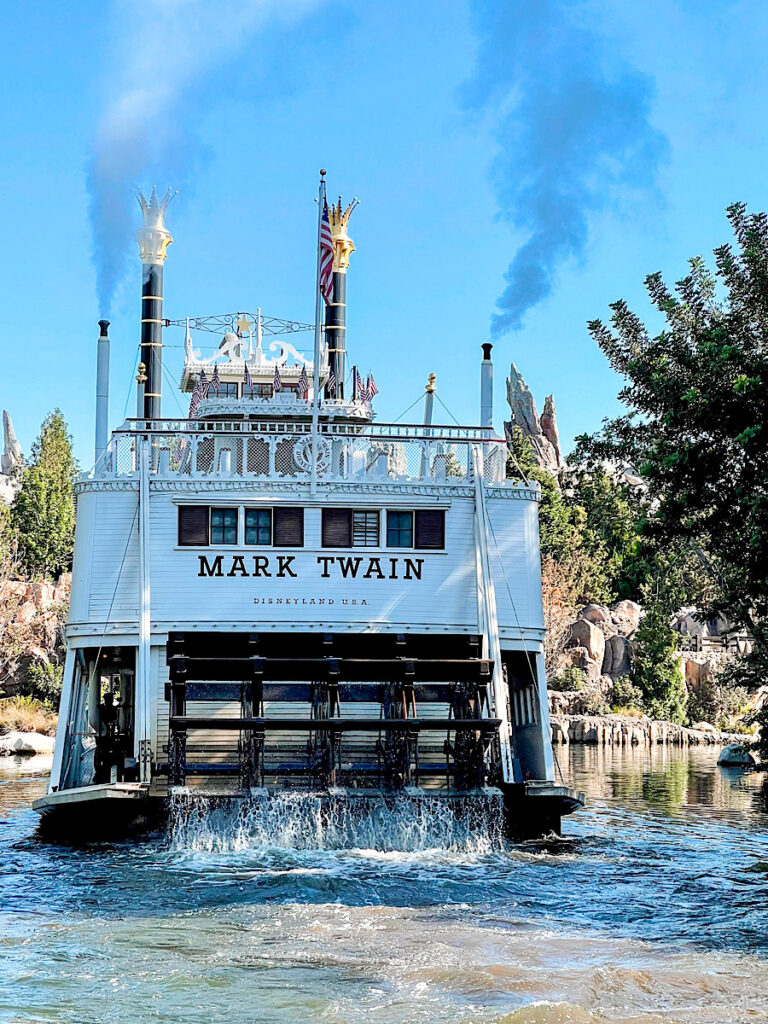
pixel 652 909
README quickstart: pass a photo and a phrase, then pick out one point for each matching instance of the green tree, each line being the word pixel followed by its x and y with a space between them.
pixel 562 526
pixel 696 429
pixel 43 513
pixel 657 670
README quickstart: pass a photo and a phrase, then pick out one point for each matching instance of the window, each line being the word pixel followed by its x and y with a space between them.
pixel 289 527
pixel 337 528
pixel 348 528
pixel 424 528
pixel 365 529
pixel 223 526
pixel 258 526
pixel 193 525
pixel 227 390
pixel 400 529
pixel 430 528
pixel 262 390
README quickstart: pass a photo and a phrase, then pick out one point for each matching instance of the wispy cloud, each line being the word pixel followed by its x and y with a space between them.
pixel 573 126
pixel 156 57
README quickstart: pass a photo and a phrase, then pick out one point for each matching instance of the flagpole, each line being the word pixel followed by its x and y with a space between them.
pixel 318 337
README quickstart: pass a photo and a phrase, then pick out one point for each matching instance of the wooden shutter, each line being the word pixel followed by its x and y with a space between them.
pixel 193 525
pixel 430 528
pixel 288 527
pixel 337 527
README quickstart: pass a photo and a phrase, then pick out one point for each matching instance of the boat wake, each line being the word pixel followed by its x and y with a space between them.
pixel 307 821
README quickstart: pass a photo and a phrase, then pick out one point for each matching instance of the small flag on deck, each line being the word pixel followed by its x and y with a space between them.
pixel 362 390
pixel 303 386
pixel 325 275
pixel 277 384
pixel 331 383
pixel 247 382
pixel 371 387
pixel 215 383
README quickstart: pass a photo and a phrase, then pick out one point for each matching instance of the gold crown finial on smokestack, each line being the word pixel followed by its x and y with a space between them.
pixel 153 236
pixel 342 243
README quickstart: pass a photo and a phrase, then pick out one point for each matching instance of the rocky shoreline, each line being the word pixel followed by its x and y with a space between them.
pixel 630 731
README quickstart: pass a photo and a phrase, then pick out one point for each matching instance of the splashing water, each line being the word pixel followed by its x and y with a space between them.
pixel 309 821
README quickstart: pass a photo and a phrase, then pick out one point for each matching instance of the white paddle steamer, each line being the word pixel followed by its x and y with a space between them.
pixel 281 592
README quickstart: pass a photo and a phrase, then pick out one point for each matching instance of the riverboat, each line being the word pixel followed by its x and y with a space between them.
pixel 280 593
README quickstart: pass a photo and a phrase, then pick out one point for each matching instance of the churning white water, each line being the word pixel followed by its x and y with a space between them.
pixel 410 823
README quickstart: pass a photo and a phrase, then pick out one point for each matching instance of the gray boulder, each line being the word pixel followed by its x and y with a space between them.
pixel 735 756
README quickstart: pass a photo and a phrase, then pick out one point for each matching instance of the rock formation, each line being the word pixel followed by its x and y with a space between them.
pixel 541 431
pixel 11 462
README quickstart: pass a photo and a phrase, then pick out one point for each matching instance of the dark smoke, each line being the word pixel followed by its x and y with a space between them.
pixel 157 55
pixel 573 131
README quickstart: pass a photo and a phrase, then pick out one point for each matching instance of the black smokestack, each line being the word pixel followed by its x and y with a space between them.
pixel 336 311
pixel 153 238
pixel 336 334
pixel 573 130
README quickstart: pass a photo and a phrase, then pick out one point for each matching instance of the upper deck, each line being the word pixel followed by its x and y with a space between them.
pixel 278 453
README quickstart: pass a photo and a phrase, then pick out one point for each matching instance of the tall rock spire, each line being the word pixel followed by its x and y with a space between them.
pixel 540 431
pixel 10 463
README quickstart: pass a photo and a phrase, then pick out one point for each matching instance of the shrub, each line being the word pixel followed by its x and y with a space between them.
pixel 568 680
pixel 42 683
pixel 25 714
pixel 624 696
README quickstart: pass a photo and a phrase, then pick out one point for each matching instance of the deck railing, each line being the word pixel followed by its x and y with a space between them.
pixel 281 450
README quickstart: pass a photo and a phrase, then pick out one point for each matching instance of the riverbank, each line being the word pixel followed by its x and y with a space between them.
pixel 640 731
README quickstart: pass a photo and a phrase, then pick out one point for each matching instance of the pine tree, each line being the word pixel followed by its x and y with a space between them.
pixel 43 513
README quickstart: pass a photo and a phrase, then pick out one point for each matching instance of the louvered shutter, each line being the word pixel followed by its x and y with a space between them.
pixel 288 527
pixel 193 525
pixel 337 527
pixel 430 528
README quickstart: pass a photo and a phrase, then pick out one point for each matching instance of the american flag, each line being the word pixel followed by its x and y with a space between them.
pixel 247 382
pixel 215 381
pixel 303 386
pixel 199 392
pixel 326 257
pixel 331 383
pixel 371 388
pixel 362 390
pixel 277 384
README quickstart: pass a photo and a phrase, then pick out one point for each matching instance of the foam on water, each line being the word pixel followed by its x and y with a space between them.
pixel 308 821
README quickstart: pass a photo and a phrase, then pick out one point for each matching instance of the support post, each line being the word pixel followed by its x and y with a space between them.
pixel 488 618
pixel 144 666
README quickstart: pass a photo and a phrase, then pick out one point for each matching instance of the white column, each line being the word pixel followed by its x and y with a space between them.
pixel 102 394
pixel 144 666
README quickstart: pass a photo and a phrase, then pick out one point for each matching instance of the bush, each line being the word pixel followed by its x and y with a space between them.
pixel 592 702
pixel 719 702
pixel 42 683
pixel 25 714
pixel 624 696
pixel 568 680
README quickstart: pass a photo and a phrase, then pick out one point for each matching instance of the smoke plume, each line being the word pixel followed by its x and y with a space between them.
pixel 158 57
pixel 573 131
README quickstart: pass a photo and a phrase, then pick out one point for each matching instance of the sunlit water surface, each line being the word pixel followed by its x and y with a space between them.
pixel 653 909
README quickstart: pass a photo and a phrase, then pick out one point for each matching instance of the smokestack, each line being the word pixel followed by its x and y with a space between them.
pixel 102 392
pixel 336 311
pixel 153 238
pixel 486 387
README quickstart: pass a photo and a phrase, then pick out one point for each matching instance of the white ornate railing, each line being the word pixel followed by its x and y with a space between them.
pixel 280 450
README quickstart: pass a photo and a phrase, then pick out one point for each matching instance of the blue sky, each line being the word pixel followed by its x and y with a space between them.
pixel 376 92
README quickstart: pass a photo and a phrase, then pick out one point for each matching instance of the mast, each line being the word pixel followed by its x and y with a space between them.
pixel 318 332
